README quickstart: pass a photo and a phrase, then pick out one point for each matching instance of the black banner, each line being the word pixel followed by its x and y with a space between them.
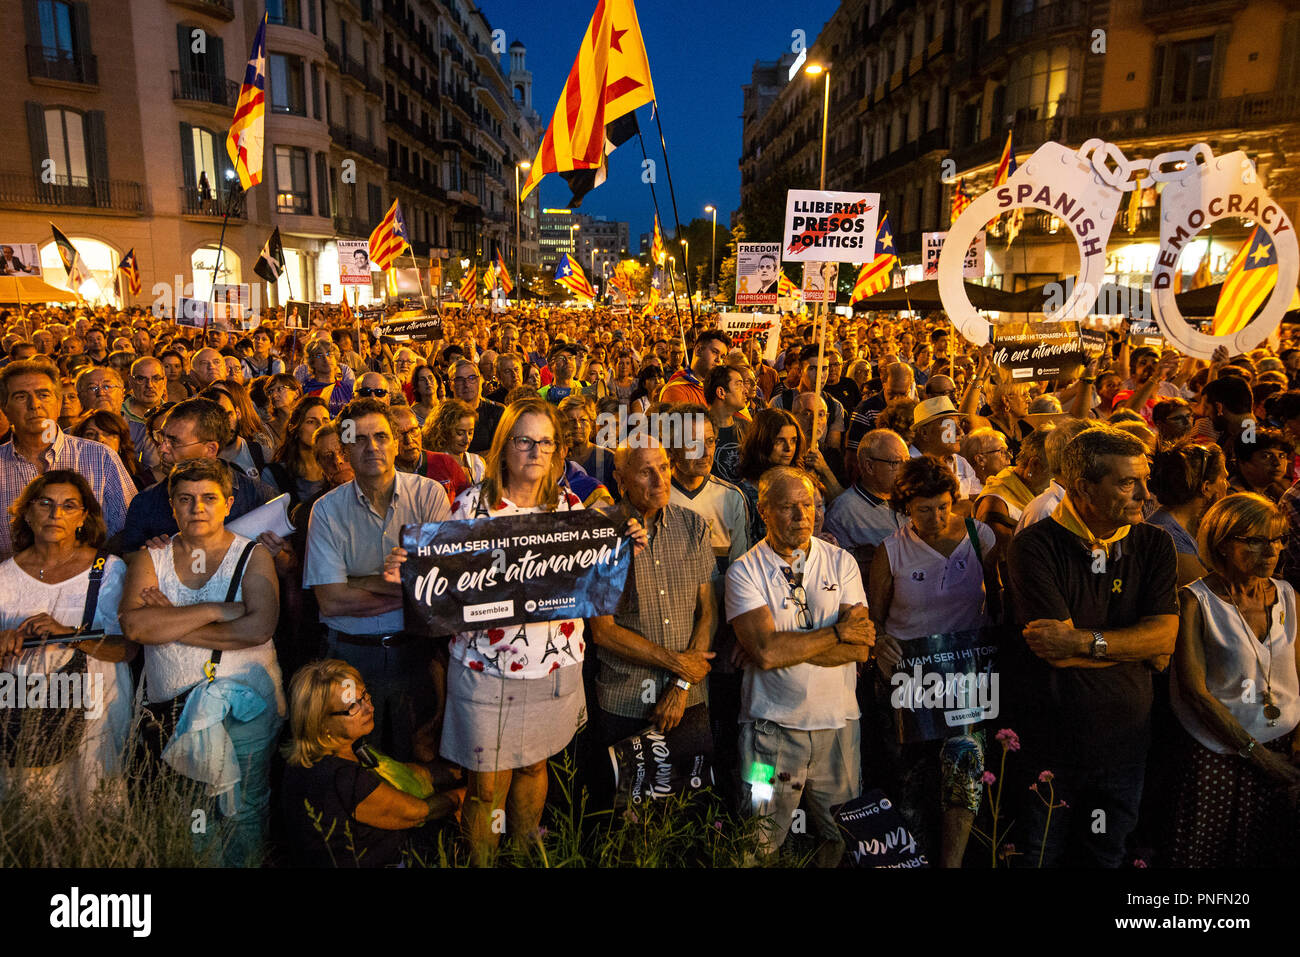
pixel 656 764
pixel 1095 341
pixel 877 835
pixel 492 572
pixel 427 328
pixel 945 683
pixel 1033 351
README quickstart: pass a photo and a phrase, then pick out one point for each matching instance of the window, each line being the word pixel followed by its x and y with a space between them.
pixel 1192 62
pixel 375 201
pixel 55 18
pixel 204 150
pixel 58 38
pixel 315 90
pixel 65 138
pixel 293 189
pixel 287 94
pixel 1036 85
pixel 285 13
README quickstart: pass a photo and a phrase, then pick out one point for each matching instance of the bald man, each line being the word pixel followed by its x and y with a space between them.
pixel 208 366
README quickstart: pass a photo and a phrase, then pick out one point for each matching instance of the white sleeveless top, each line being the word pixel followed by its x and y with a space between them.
pixel 1233 657
pixel 173 668
pixel 934 595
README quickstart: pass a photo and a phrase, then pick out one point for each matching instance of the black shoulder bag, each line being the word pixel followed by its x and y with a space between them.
pixel 46 736
pixel 158 722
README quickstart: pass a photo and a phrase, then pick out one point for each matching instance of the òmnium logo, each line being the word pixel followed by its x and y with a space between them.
pixel 530 605
pixel 78 910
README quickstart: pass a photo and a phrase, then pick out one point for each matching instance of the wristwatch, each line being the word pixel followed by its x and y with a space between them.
pixel 683 684
pixel 1099 647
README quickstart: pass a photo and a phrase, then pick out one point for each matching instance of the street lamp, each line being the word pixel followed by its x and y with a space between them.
pixel 519 279
pixel 713 242
pixel 822 69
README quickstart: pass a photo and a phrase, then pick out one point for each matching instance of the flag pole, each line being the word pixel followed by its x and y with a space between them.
pixel 654 199
pixel 221 242
pixel 424 300
pixel 672 286
pixel 672 195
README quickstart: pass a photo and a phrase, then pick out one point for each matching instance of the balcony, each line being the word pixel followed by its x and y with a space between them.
pixel 351 226
pixel 221 9
pixel 1165 14
pixel 1048 21
pixel 356 143
pixel 202 88
pixel 928 142
pixel 115 195
pixel 1239 113
pixel 194 203
pixel 48 63
pixel 357 71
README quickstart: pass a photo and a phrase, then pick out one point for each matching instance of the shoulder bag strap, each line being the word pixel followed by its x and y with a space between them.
pixel 92 592
pixel 975 540
pixel 210 669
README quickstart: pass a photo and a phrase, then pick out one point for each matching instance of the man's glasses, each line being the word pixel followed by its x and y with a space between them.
pixel 465 379
pixel 103 387
pixel 523 443
pixel 799 595
pixel 373 393
pixel 892 463
pixel 354 709
pixel 143 379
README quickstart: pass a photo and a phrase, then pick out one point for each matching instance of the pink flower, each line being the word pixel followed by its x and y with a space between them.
pixel 1139 863
pixel 1062 804
pixel 989 777
pixel 1009 739
pixel 1045 776
pixel 1034 788
pixel 1006 850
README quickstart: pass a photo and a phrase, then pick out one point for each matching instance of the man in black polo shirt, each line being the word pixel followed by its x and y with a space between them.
pixel 1095 593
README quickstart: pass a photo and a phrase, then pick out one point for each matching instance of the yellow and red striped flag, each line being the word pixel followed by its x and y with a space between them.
pixel 503 276
pixel 131 268
pixel 873 277
pixel 658 251
pixel 347 309
pixel 469 285
pixel 1250 279
pixel 785 289
pixel 569 274
pixel 1006 167
pixel 610 78
pixel 960 200
pixel 245 140
pixel 389 240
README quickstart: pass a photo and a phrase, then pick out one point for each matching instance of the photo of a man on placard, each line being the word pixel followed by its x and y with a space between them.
pixel 12 263
pixel 768 273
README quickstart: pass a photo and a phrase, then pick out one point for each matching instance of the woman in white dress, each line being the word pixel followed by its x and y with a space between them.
pixel 205 608
pixel 58 531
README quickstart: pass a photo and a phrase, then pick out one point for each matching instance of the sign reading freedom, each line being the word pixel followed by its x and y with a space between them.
pixel 491 572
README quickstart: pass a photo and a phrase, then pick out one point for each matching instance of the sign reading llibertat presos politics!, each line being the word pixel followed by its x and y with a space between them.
pixel 944 683
pixel 758 272
pixel 497 572
pixel 877 834
pixel 1034 351
pixel 972 266
pixel 743 326
pixel 824 226
pixel 354 262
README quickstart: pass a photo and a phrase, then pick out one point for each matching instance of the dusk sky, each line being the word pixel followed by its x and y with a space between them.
pixel 701 54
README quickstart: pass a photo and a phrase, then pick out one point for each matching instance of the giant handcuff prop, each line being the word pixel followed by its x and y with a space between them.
pixel 1084 188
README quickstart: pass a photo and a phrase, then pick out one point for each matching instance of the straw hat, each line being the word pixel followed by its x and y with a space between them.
pixel 931 409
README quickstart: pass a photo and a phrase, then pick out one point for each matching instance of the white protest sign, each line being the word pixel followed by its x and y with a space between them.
pixel 354 262
pixel 972 265
pixel 819 281
pixel 743 326
pixel 758 270
pixel 824 226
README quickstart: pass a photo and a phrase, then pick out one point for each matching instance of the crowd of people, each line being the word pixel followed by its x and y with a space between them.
pixel 1127 535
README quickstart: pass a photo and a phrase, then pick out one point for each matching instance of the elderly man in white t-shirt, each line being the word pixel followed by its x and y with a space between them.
pixel 800 614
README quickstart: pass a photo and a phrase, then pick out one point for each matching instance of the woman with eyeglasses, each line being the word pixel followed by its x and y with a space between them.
pixel 514 695
pixel 338 811
pixel 450 431
pixel 58 581
pixel 282 393
pixel 1236 694
pixel 423 392
pixel 1186 480
pixel 110 429
pixel 928 579
pixel 293 468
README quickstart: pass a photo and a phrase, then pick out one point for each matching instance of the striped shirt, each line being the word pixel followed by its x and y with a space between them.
pixel 97 463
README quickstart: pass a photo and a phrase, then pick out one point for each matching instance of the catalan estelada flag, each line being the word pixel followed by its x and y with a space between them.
pixel 348 315
pixel 503 277
pixel 569 274
pixel 960 200
pixel 131 269
pixel 873 277
pixel 1006 167
pixel 1250 279
pixel 469 285
pixel 389 240
pixel 609 79
pixel 244 142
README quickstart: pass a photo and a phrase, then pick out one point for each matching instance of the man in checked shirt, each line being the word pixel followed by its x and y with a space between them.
pixel 654 650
